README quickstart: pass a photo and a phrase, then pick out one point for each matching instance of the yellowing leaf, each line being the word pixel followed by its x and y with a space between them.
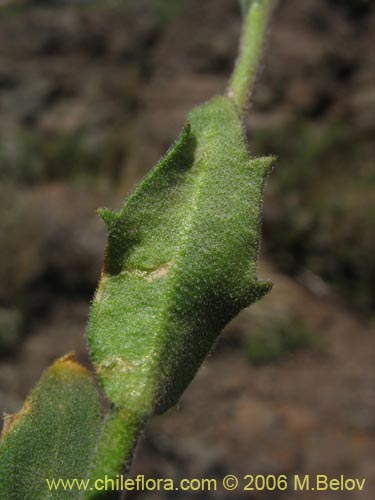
pixel 53 436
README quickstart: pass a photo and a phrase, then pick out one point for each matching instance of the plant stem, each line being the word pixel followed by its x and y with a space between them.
pixel 256 19
pixel 119 437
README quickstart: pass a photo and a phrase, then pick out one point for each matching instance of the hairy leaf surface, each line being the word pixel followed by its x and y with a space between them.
pixel 53 436
pixel 180 262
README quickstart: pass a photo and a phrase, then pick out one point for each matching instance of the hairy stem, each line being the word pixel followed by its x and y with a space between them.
pixel 115 449
pixel 256 19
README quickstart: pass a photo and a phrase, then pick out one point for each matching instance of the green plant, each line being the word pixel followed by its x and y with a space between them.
pixel 180 263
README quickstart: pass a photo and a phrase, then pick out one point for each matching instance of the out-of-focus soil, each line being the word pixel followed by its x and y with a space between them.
pixel 122 80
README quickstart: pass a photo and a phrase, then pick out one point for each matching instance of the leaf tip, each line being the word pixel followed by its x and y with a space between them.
pixel 186 130
pixel 267 164
pixel 68 363
pixel 263 287
pixel 108 216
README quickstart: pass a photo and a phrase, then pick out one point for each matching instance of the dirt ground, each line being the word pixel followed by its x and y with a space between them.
pixel 90 99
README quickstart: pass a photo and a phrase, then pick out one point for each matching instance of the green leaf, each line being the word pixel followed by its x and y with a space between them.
pixel 180 262
pixel 53 436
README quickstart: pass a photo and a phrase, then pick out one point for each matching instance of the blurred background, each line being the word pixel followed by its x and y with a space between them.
pixel 91 95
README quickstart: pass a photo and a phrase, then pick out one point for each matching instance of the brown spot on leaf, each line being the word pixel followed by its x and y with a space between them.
pixel 160 272
pixel 117 364
pixel 150 276
pixel 11 419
